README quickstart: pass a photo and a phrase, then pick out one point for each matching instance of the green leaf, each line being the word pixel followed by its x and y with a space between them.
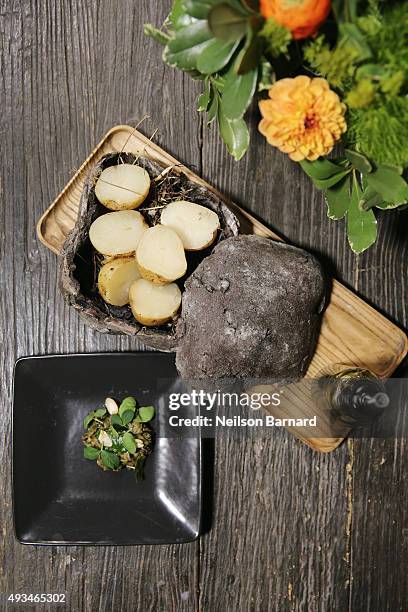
pixel 204 99
pixel 127 417
pixel 215 56
pixel 197 9
pixel 91 453
pixel 238 5
pixel 337 199
pixel 398 169
pixel 218 81
pixel 250 56
pixel 369 199
pixel 110 460
pixel 188 44
pixel 373 71
pixel 129 403
pixel 361 224
pixel 238 93
pixel 99 413
pixel 320 169
pixel 333 180
pixel 116 420
pixel 129 442
pixel 213 108
pixel 359 161
pixel 157 35
pixel 387 182
pixel 227 23
pixel 355 39
pixel 88 419
pixel 345 10
pixel 388 205
pixel 178 16
pixel 235 134
pixel 146 413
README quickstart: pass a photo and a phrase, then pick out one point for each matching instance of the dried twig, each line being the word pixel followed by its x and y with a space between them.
pixel 130 136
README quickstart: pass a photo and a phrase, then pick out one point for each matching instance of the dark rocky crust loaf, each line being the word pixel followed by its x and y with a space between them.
pixel 251 310
pixel 79 263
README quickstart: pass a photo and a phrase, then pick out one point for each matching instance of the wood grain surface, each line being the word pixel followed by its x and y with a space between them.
pixel 291 530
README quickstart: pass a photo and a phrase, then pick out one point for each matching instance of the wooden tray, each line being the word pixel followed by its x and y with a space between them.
pixel 352 332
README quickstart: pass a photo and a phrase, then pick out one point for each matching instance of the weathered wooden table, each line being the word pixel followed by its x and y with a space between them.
pixel 291 529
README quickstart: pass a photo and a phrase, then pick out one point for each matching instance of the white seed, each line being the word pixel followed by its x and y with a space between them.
pixel 105 439
pixel 111 406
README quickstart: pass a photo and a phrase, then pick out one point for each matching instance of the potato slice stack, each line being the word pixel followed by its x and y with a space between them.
pixel 142 263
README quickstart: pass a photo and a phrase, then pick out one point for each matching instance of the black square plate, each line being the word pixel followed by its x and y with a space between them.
pixel 61 498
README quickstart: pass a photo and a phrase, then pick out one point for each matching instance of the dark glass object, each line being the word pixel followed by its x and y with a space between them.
pixel 355 396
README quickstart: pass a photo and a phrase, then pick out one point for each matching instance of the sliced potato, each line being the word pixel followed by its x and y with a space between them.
pixel 196 225
pixel 122 187
pixel 160 255
pixel 154 304
pixel 115 279
pixel 117 233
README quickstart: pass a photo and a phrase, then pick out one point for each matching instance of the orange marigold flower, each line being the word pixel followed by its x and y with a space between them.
pixel 302 17
pixel 303 117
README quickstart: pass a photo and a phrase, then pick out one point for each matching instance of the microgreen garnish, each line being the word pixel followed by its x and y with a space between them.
pixel 146 413
pixel 118 436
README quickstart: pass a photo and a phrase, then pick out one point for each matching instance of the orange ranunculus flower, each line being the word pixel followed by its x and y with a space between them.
pixel 303 117
pixel 302 17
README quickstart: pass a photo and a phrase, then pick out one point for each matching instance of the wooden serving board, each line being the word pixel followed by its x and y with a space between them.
pixel 352 332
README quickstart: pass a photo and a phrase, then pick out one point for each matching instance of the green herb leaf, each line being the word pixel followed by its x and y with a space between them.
pixel 216 56
pixel 110 460
pixel 129 442
pixel 389 184
pixel 227 23
pixel 127 416
pixel 129 403
pixel 359 161
pixel 361 224
pixel 158 35
pixel 238 93
pixel 116 420
pixel 320 169
pixel 88 419
pixel 91 453
pixel 235 134
pixel 101 412
pixel 337 199
pixel 146 413
pixel 98 414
